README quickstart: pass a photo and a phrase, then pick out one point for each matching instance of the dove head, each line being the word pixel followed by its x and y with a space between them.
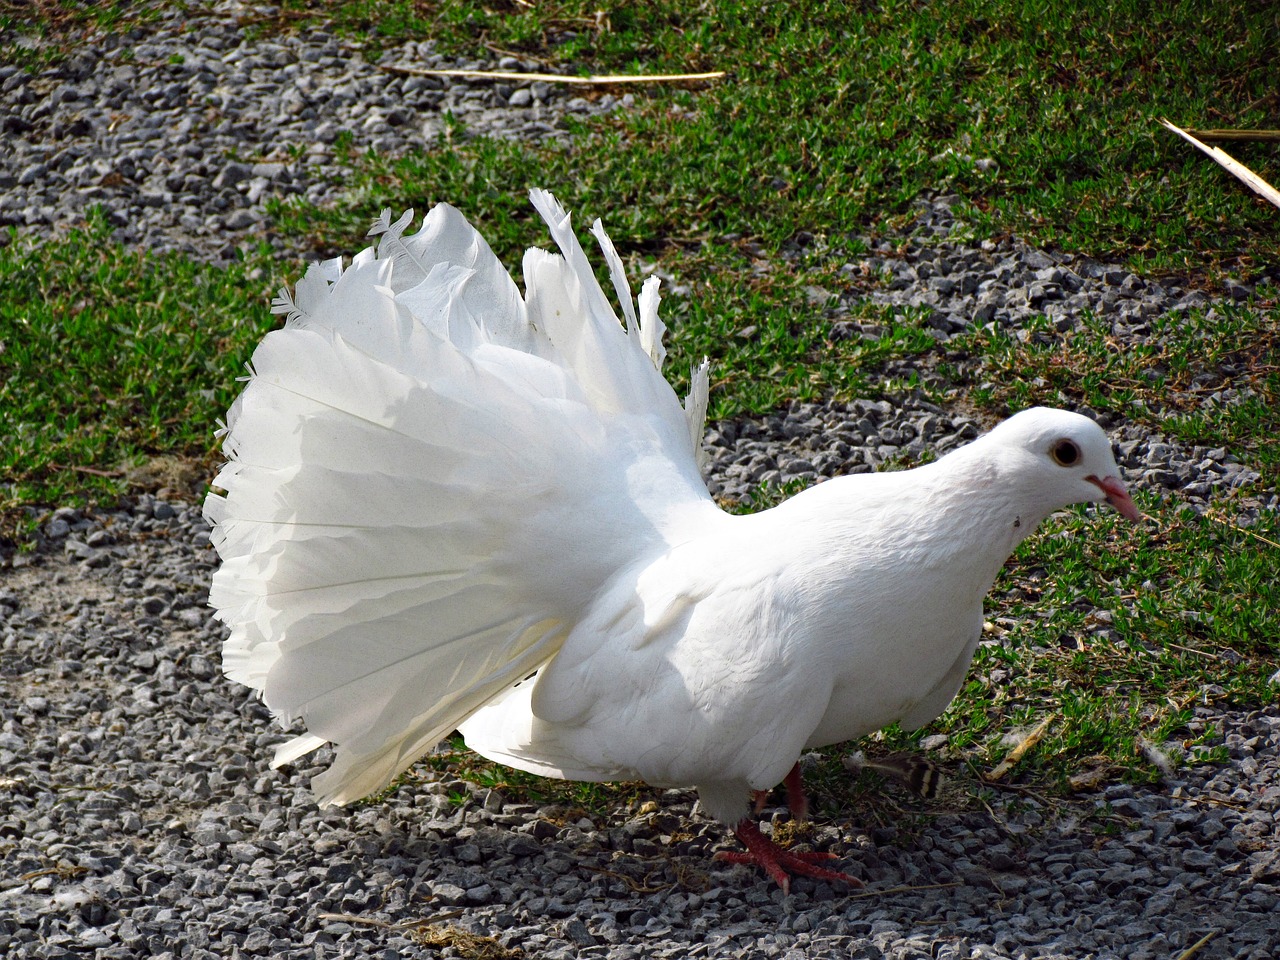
pixel 1066 458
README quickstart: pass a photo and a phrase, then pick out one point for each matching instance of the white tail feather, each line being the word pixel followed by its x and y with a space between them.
pixel 695 407
pixel 617 274
pixel 652 328
pixel 410 451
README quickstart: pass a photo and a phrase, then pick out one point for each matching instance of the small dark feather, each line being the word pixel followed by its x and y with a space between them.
pixel 921 776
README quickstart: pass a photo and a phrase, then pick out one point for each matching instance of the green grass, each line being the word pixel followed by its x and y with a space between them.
pixel 36 35
pixel 1190 616
pixel 111 358
pixel 833 118
pixel 837 118
pixel 1168 379
pixel 828 126
pixel 575 798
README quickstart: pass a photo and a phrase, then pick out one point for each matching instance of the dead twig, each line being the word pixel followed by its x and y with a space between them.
pixel 1231 165
pixel 93 470
pixel 998 820
pixel 1218 518
pixel 1192 950
pixel 593 80
pixel 1018 788
pixel 1266 136
pixel 1265 98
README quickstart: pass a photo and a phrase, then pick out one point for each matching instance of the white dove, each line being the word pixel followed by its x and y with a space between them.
pixel 450 507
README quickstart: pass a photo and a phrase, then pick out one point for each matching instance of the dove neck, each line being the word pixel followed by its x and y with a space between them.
pixel 980 504
pixel 962 513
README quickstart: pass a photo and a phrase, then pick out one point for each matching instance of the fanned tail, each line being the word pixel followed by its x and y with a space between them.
pixel 428 479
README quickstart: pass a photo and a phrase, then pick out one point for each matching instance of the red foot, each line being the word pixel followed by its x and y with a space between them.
pixel 779 863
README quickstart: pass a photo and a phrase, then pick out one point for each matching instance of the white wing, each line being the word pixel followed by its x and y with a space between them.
pixel 700 682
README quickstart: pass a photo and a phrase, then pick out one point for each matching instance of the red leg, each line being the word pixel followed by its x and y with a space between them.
pixel 796 799
pixel 779 863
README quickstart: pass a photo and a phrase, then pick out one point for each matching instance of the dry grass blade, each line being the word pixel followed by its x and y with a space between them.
pixel 1265 136
pixel 429 932
pixel 92 470
pixel 1192 950
pixel 636 886
pixel 1017 753
pixel 64 871
pixel 1217 517
pixel 1231 164
pixel 595 79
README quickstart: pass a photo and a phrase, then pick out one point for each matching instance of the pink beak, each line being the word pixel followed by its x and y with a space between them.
pixel 1117 496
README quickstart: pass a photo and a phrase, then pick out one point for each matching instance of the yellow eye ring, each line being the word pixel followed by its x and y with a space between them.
pixel 1065 453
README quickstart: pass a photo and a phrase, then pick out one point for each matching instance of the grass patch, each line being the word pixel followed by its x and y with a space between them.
pixel 109 358
pixel 1170 377
pixel 836 116
pixel 573 797
pixel 752 189
pixel 41 37
pixel 1121 629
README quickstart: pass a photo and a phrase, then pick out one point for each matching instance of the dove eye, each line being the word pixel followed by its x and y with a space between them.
pixel 1065 453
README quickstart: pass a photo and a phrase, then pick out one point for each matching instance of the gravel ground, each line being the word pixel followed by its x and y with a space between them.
pixel 138 816
pixel 185 128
